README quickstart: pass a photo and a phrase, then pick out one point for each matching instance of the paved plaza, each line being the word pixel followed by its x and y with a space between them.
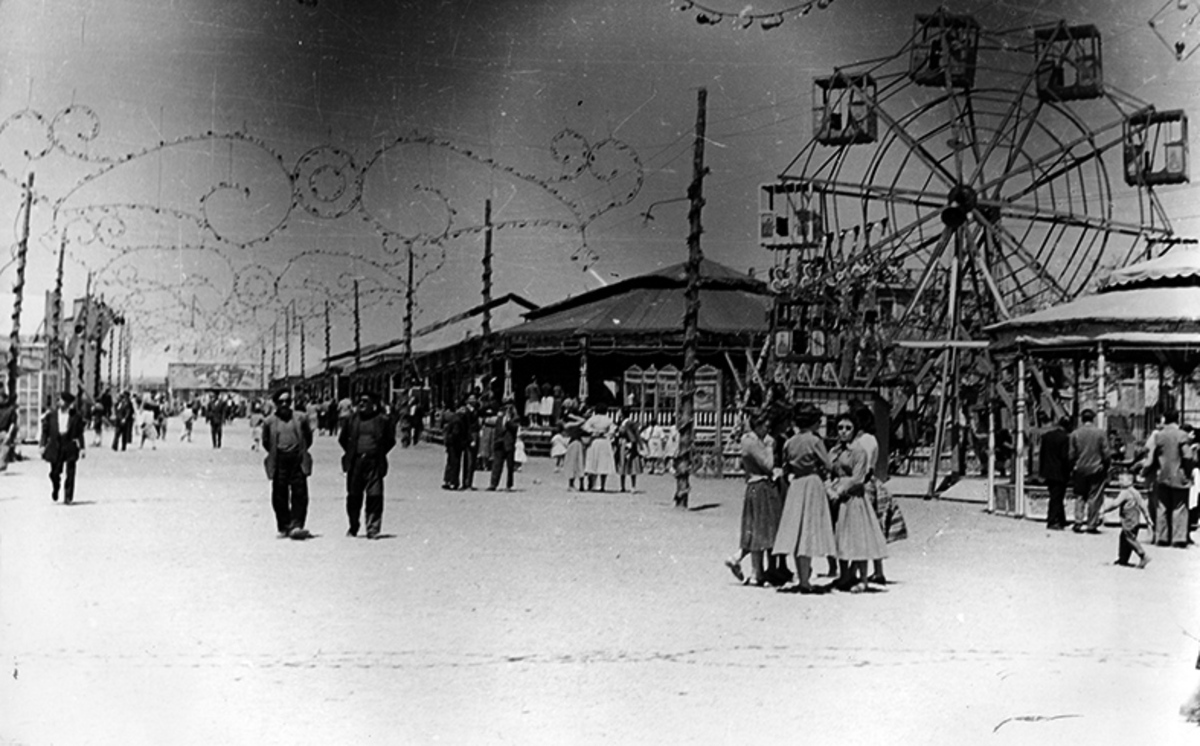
pixel 162 609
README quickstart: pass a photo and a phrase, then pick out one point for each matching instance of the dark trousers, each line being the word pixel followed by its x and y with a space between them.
pixel 1128 544
pixel 217 429
pixel 454 454
pixel 289 492
pixel 122 434
pixel 468 468
pixel 57 467
pixel 1056 513
pixel 501 458
pixel 1171 524
pixel 1089 492
pixel 365 478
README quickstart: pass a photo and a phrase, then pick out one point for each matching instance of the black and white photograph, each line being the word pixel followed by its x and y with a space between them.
pixel 599 372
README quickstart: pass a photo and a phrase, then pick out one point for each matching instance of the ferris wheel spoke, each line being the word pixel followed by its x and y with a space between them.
pixel 926 276
pixel 1037 164
pixel 1009 115
pixel 985 272
pixel 894 194
pixel 1032 261
pixel 1046 215
pixel 901 132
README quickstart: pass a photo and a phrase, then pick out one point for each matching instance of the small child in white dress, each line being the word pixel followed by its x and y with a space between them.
pixel 558 449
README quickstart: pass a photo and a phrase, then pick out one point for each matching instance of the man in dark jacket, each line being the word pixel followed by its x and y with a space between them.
pixel 504 445
pixel 366 439
pixel 455 438
pixel 1088 446
pixel 287 436
pixel 1054 466
pixel 62 445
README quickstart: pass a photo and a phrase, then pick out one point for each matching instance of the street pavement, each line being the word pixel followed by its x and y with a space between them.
pixel 162 609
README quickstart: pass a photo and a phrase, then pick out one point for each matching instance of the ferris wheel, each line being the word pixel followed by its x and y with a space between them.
pixel 967 177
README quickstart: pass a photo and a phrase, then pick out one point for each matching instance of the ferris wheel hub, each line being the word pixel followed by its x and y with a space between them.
pixel 960 202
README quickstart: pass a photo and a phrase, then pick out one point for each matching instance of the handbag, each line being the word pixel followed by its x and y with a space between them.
pixel 519 454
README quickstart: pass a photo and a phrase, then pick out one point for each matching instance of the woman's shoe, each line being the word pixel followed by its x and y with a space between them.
pixel 736 569
pixel 877 580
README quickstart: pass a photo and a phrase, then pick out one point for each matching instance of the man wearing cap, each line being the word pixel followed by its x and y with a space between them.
pixel 62 445
pixel 366 439
pixel 286 439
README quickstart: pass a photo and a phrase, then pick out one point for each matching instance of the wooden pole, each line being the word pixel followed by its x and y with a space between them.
pixel 55 345
pixel 691 313
pixel 409 297
pixel 14 348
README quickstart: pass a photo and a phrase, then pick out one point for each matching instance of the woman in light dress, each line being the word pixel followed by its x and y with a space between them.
pixel 599 461
pixel 859 539
pixel 806 526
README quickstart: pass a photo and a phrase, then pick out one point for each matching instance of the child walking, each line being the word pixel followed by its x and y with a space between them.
pixel 1132 508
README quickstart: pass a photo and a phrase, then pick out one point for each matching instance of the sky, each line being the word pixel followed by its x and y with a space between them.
pixel 218 166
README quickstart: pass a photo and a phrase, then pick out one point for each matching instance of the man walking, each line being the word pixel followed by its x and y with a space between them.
pixel 1088 453
pixel 8 429
pixel 1054 465
pixel 216 415
pixel 366 439
pixel 1171 483
pixel 286 439
pixel 62 445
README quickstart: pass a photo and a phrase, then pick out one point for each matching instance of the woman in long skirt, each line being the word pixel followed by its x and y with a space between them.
pixel 760 507
pixel 859 539
pixel 878 496
pixel 573 462
pixel 806 527
pixel 599 460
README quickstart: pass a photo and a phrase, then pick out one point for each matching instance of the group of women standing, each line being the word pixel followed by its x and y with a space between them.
pixel 813 504
pixel 599 445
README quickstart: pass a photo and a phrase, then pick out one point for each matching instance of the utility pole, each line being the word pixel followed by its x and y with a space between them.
pixel 486 341
pixel 81 331
pixel 691 314
pixel 54 346
pixel 357 329
pixel 327 335
pixel 287 341
pixel 14 347
pixel 409 292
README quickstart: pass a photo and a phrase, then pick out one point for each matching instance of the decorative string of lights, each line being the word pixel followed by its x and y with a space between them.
pixel 748 16
pixel 241 285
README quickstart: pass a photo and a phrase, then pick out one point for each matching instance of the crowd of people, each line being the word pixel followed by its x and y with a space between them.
pixel 1083 459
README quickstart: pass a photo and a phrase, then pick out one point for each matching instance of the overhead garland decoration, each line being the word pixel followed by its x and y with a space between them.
pixel 1175 26
pixel 748 16
pixel 208 265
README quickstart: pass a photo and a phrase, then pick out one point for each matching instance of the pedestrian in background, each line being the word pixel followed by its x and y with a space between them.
pixel 1054 466
pixel 366 440
pixel 1172 480
pixel 1088 453
pixel 216 414
pixel 62 445
pixel 455 438
pixel 256 422
pixel 286 439
pixel 599 461
pixel 123 417
pixel 504 445
pixel 9 429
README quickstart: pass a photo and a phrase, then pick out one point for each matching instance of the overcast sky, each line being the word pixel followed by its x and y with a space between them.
pixel 400 120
